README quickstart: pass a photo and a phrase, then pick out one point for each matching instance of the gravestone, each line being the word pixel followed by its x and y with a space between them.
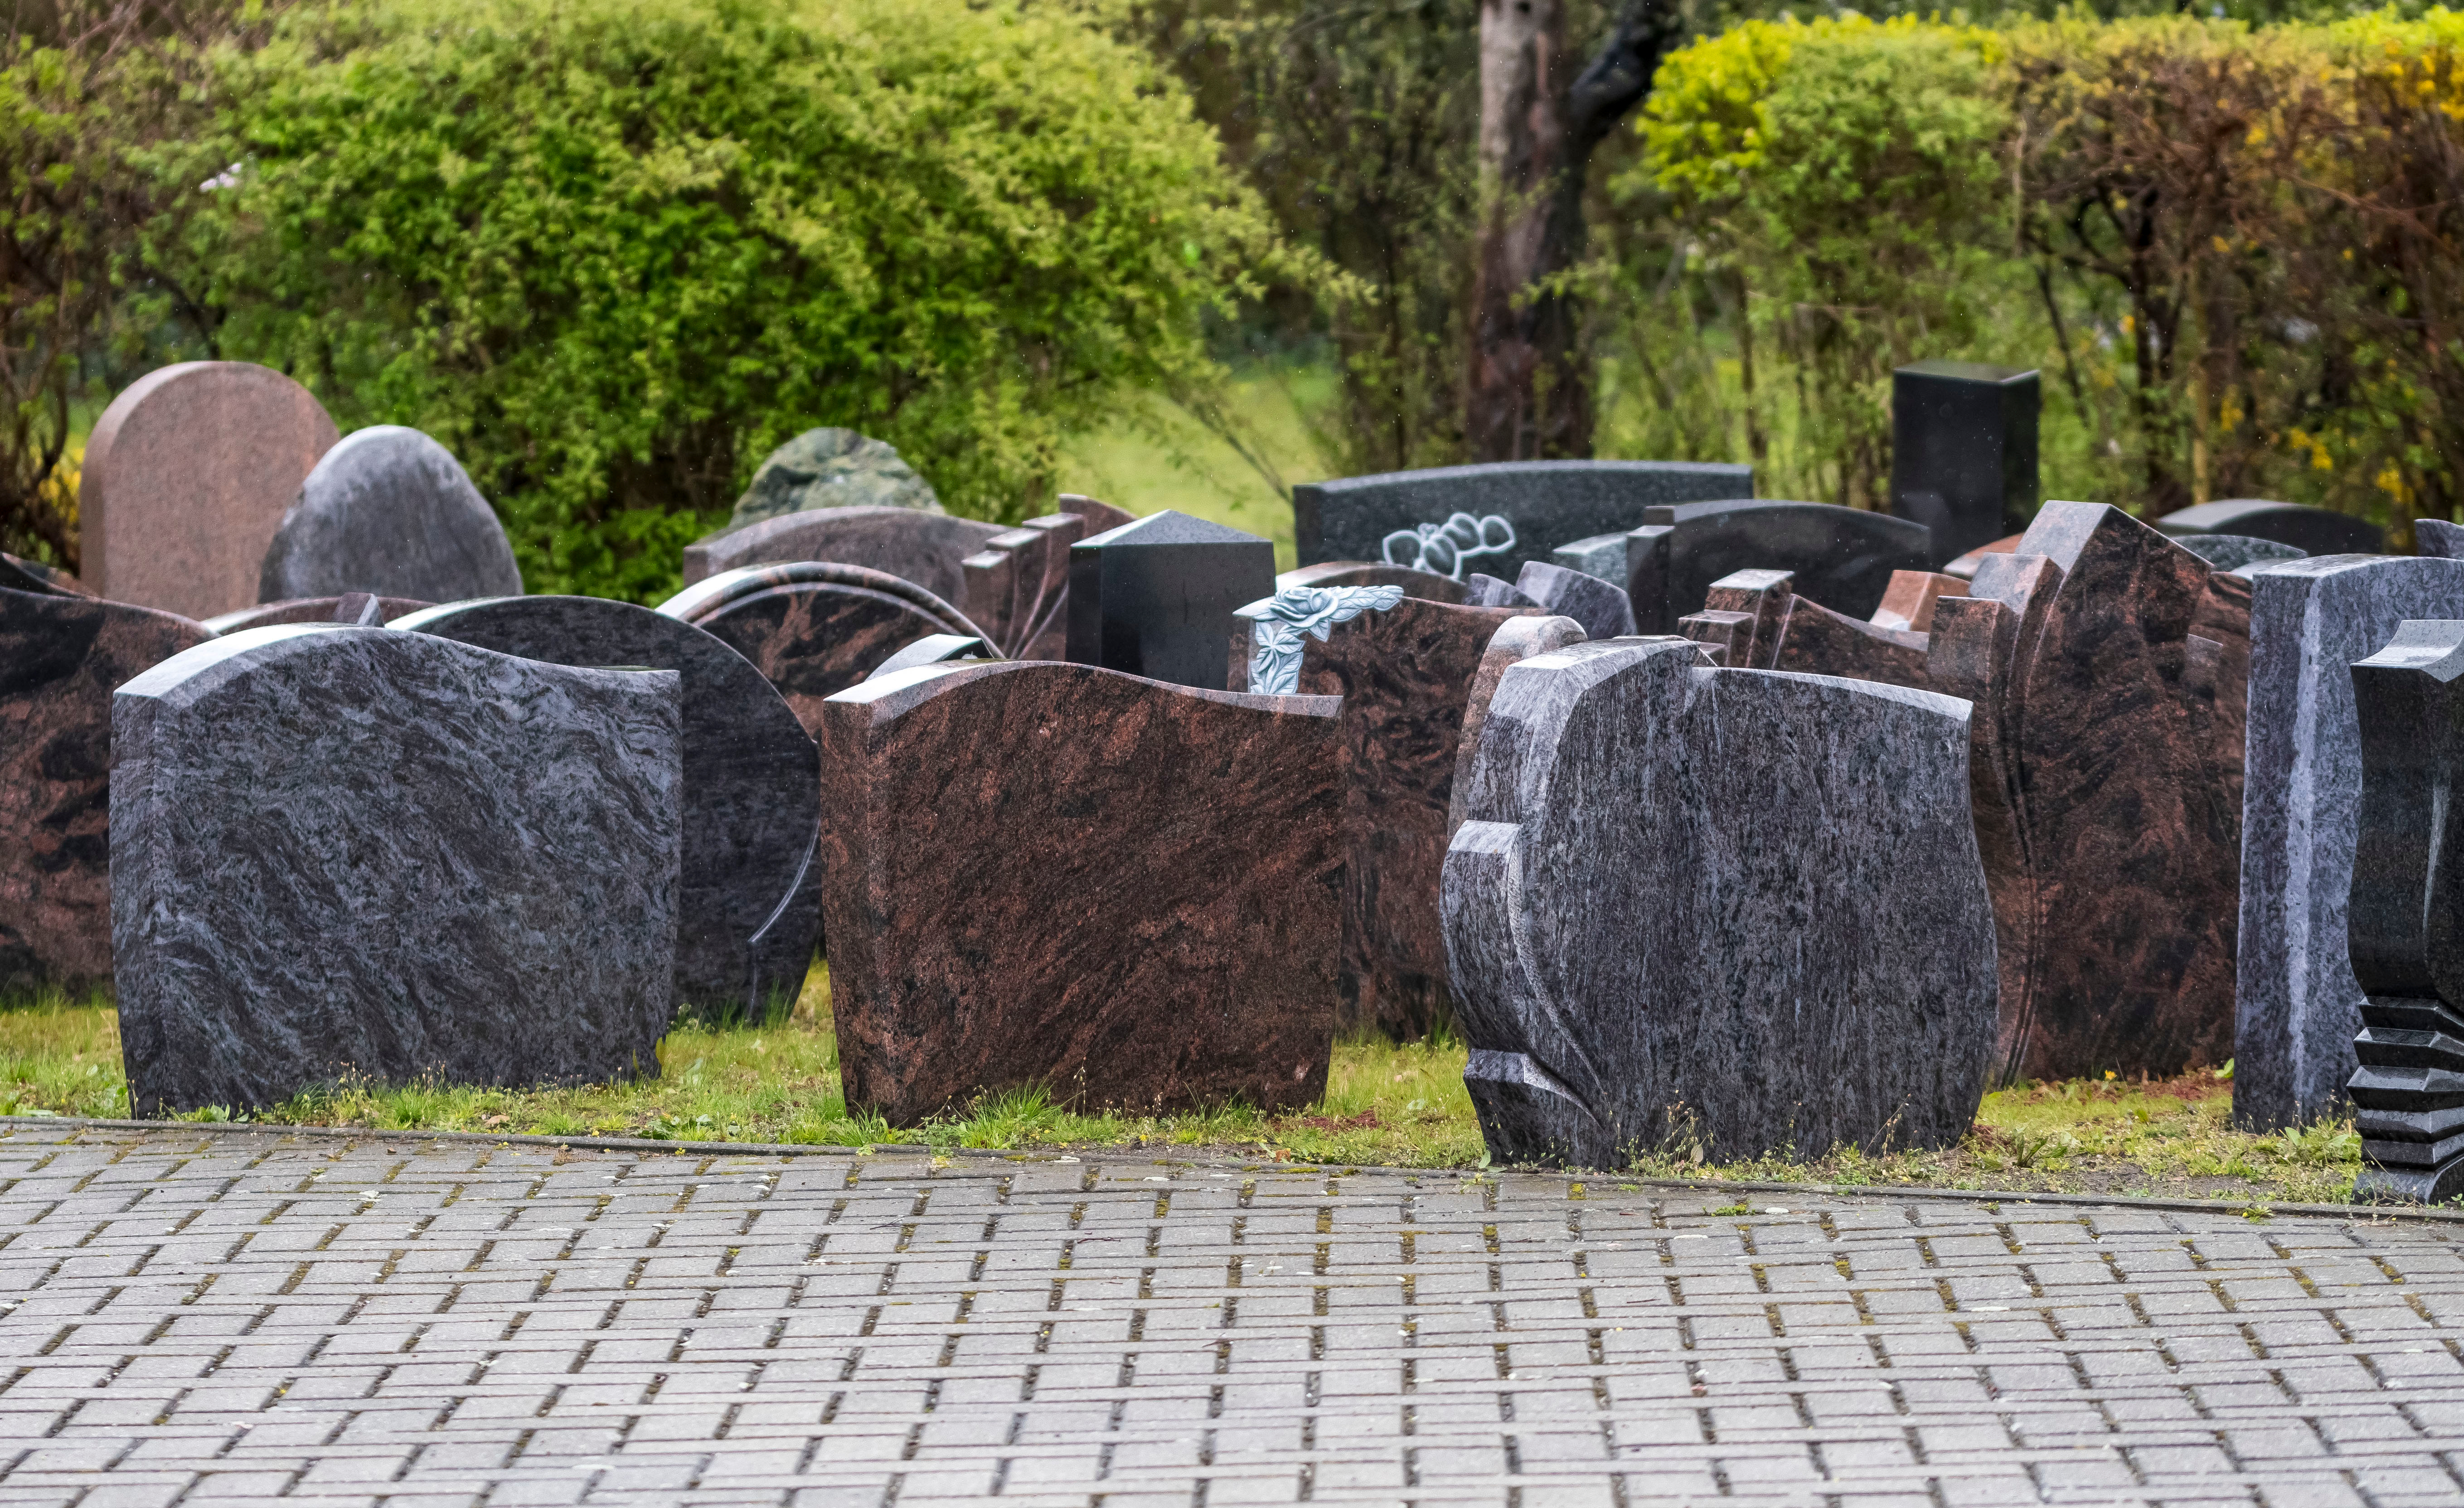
pixel 935 649
pixel 814 627
pixel 1018 586
pixel 1050 874
pixel 309 610
pixel 356 853
pixel 2402 917
pixel 1422 584
pixel 1660 914
pixel 2438 539
pixel 187 476
pixel 60 658
pixel 1964 451
pixel 2314 531
pixel 388 511
pixel 1964 566
pixel 1908 602
pixel 19 575
pixel 1516 639
pixel 830 467
pixel 1156 598
pixel 1842 557
pixel 1601 607
pixel 2296 1005
pixel 2235 551
pixel 1545 503
pixel 749 901
pixel 1758 623
pixel 924 548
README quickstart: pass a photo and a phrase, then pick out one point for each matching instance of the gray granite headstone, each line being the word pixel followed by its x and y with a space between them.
pixel 1600 606
pixel 1842 557
pixel 925 548
pixel 2437 538
pixel 352 852
pixel 1546 504
pixel 388 511
pixel 750 906
pixel 2316 530
pixel 2296 1003
pixel 2237 552
pixel 832 469
pixel 1661 912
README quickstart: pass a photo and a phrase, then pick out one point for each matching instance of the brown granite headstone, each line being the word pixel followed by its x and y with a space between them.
pixel 1758 622
pixel 1058 875
pixel 61 657
pixel 186 479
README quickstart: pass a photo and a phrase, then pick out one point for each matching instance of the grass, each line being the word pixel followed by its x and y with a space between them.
pixel 1385 1105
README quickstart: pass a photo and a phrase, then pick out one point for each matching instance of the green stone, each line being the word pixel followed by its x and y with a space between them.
pixel 832 469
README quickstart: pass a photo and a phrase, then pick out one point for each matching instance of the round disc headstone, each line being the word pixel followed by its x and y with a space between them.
pixel 389 511
pixel 750 911
pixel 186 479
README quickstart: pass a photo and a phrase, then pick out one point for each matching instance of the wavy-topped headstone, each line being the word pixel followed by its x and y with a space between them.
pixel 2313 531
pixel 1662 919
pixel 389 512
pixel 815 628
pixel 315 610
pixel 60 658
pixel 1156 598
pixel 185 479
pixel 356 853
pixel 2404 918
pixel 926 548
pixel 1545 504
pixel 750 906
pixel 2296 1004
pixel 1057 875
pixel 1842 557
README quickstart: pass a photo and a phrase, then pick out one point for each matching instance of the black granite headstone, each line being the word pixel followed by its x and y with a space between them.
pixel 1964 451
pixel 750 910
pixel 1156 598
pixel 2313 531
pixel 1842 557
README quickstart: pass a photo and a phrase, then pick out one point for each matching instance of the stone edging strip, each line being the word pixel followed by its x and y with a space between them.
pixel 639 1144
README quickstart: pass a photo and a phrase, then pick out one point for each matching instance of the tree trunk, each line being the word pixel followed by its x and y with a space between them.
pixel 1527 393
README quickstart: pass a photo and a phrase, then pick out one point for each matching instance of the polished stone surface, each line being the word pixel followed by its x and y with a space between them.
pixel 388 511
pixel 1909 600
pixel 1279 627
pixel 2315 531
pixel 749 902
pixel 1547 503
pixel 2237 552
pixel 187 476
pixel 2404 920
pixel 1600 606
pixel 1758 621
pixel 20 575
pixel 362 852
pixel 60 658
pixel 815 628
pixel 309 610
pixel 1516 639
pixel 1039 873
pixel 1426 586
pixel 1017 587
pixel 2296 1005
pixel 923 547
pixel 1842 557
pixel 2438 539
pixel 1156 598
pixel 1661 920
pixel 829 467
pixel 1964 566
pixel 935 649
pixel 1964 451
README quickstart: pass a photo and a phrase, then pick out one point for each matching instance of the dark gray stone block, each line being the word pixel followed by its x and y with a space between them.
pixel 1964 451
pixel 341 851
pixel 925 548
pixel 749 910
pixel 1487 590
pixel 1156 598
pixel 2315 531
pixel 2296 1003
pixel 1601 555
pixel 1600 608
pixel 2438 539
pixel 1842 557
pixel 1547 503
pixel 2239 552
pixel 1661 912
pixel 388 511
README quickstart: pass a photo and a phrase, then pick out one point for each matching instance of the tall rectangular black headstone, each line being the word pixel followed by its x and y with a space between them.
pixel 1964 451
pixel 1154 598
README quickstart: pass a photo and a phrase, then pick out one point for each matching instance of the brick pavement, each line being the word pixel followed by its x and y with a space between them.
pixel 197 1317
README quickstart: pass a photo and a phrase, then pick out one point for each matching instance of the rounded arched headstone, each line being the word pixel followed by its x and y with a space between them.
pixel 311 610
pixel 816 627
pixel 60 658
pixel 750 909
pixel 389 511
pixel 925 548
pixel 186 479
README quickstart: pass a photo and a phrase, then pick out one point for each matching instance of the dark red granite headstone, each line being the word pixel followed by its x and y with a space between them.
pixel 60 658
pixel 1042 873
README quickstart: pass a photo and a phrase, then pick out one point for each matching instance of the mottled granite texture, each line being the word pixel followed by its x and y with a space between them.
pixel 815 628
pixel 1600 606
pixel 1018 586
pixel 1482 590
pixel 2314 531
pixel 1516 639
pixel 2236 552
pixel 1964 566
pixel 388 511
pixel 1601 555
pixel 935 649
pixel 2296 1003
pixel 1548 503
pixel 186 479
pixel 832 469
pixel 60 658
pixel 1964 450
pixel 749 903
pixel 1426 586
pixel 2438 539
pixel 356 852
pixel 1842 557
pixel 1728 831
pixel 2404 913
pixel 1282 625
pixel 1156 598
pixel 19 575
pixel 1908 601
pixel 1758 623
pixel 1014 896
pixel 308 610
pixel 923 547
